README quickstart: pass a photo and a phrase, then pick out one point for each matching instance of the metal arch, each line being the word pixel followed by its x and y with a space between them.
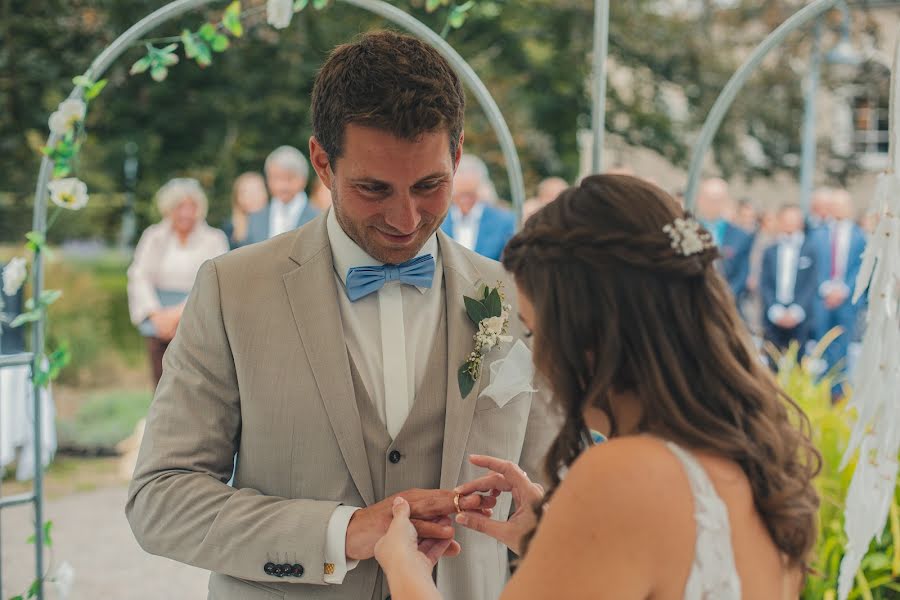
pixel 737 81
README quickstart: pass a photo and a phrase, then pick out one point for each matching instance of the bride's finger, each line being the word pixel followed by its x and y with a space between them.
pixel 485 483
pixel 511 472
pixel 454 549
pixel 436 550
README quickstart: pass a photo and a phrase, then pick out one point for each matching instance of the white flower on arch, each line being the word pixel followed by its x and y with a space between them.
pixel 14 275
pixel 66 116
pixel 279 13
pixel 70 193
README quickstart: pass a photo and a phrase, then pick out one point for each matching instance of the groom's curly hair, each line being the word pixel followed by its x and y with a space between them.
pixel 619 308
pixel 389 81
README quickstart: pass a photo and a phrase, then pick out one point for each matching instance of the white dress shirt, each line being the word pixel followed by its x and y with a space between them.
pixel 283 217
pixel 386 334
pixel 465 227
pixel 786 265
pixel 839 247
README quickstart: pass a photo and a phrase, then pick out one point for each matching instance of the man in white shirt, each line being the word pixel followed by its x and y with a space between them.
pixel 287 172
pixel 328 360
pixel 788 282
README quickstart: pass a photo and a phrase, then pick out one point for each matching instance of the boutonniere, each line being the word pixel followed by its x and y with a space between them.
pixel 490 315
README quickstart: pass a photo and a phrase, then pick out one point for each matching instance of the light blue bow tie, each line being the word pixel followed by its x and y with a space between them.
pixel 362 281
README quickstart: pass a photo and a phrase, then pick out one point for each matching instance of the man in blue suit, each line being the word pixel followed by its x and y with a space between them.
pixel 286 174
pixel 845 245
pixel 473 221
pixel 789 282
pixel 714 210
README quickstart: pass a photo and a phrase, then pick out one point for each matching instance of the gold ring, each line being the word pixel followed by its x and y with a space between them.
pixel 456 498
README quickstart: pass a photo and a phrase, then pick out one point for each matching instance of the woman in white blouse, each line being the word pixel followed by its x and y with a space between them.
pixel 166 262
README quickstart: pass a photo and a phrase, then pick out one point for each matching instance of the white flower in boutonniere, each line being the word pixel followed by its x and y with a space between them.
pixel 279 13
pixel 66 116
pixel 70 193
pixel 14 275
pixel 491 315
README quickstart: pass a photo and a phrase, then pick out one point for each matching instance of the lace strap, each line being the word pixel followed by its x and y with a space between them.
pixel 714 574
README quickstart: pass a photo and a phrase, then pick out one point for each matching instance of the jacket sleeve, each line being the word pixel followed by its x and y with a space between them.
pixel 179 504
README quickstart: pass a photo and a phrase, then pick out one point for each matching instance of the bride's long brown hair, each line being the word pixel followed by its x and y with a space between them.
pixel 618 308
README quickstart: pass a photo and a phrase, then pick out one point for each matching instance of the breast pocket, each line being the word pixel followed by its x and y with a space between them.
pixel 500 431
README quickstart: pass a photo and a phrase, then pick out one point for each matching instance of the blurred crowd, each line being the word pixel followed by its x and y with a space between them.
pixel 792 275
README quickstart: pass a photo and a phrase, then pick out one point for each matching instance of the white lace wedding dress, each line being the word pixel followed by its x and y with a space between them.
pixel 713 575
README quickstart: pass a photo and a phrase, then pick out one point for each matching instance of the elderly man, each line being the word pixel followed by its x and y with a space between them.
pixel 286 175
pixel 473 221
pixel 715 209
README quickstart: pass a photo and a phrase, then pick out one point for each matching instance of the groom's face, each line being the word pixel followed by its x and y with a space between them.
pixel 390 195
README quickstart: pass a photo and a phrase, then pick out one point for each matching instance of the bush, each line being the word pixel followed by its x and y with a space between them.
pixel 103 421
pixel 91 317
pixel 879 575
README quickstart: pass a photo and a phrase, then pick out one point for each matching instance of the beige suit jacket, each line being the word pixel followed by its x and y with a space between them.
pixel 259 367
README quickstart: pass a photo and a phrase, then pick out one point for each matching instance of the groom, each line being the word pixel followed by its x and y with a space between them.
pixel 334 382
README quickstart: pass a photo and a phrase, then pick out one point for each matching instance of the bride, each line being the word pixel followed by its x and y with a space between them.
pixel 705 489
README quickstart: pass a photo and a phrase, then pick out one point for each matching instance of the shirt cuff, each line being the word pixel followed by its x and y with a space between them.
pixel 336 564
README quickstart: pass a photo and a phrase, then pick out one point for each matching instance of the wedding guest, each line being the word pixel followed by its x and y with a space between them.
pixel 287 172
pixel 547 192
pixel 747 217
pixel 846 243
pixel 166 261
pixel 715 209
pixel 789 282
pixel 766 235
pixel 474 221
pixel 248 195
pixel 705 487
pixel 819 208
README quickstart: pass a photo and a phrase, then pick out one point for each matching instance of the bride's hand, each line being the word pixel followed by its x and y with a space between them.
pixel 401 551
pixel 505 476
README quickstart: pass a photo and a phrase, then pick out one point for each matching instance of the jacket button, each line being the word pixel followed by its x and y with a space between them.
pixel 269 568
pixel 394 456
pixel 297 570
pixel 279 571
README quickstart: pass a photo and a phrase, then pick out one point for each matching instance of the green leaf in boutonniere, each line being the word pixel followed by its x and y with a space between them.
pixel 494 303
pixel 466 380
pixel 476 310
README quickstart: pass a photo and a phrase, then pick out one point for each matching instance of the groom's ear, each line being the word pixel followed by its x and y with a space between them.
pixel 320 161
pixel 459 150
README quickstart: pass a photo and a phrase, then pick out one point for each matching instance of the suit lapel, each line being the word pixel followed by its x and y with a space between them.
pixel 460 277
pixel 312 293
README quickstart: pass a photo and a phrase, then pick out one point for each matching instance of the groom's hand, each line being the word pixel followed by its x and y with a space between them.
pixel 429 510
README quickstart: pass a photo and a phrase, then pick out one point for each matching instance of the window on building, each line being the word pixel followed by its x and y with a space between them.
pixel 870 125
